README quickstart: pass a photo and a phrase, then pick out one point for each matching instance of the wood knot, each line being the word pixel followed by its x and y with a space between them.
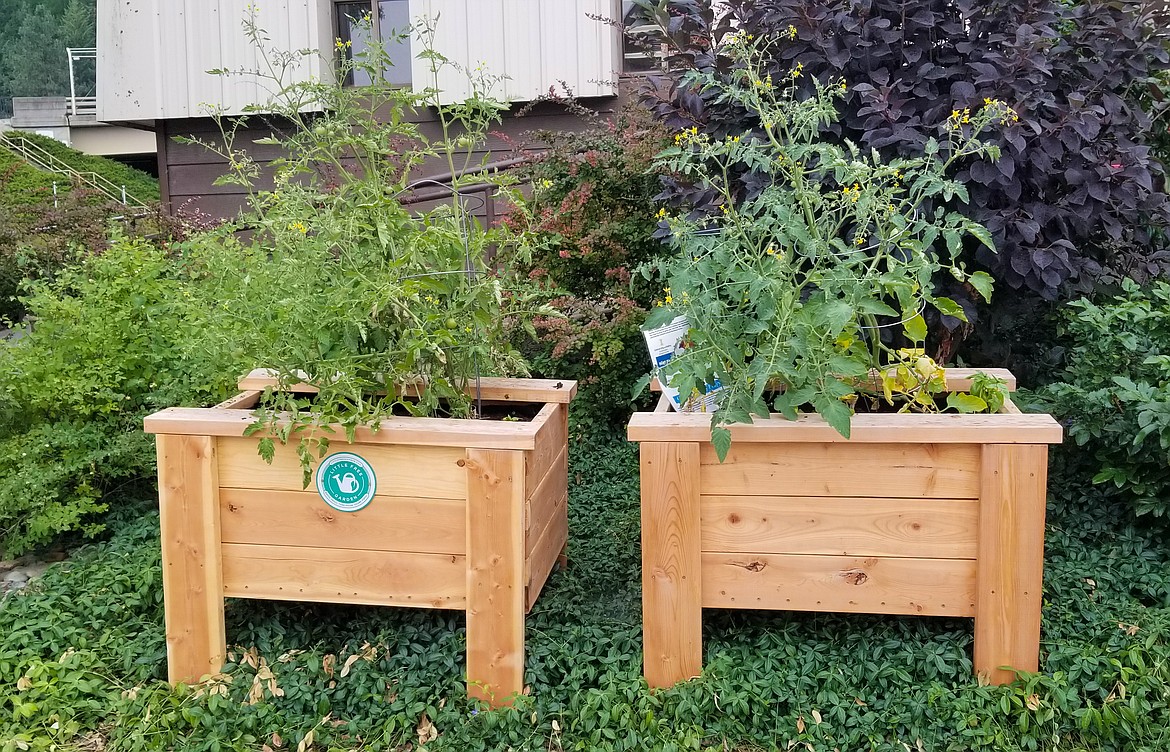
pixel 461 463
pixel 233 508
pixel 855 577
pixel 325 516
pixel 752 566
pixel 733 518
pixel 916 526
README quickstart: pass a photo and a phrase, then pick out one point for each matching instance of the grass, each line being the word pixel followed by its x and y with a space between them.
pixel 83 661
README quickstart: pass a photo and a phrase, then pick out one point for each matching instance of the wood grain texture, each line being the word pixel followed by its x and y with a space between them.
pixel 411 431
pixel 1011 561
pixel 192 575
pixel 495 575
pixel 545 547
pixel 946 428
pixel 958 379
pixel 427 472
pixel 846 584
pixel 550 493
pixel 842 526
pixel 242 401
pixel 552 438
pixel 333 575
pixel 302 518
pixel 672 617
pixel 492 389
pixel 943 471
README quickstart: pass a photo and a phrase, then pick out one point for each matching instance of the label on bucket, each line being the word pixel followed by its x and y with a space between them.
pixel 346 482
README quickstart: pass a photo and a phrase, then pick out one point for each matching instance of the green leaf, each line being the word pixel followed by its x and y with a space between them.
pixel 983 284
pixel 948 307
pixel 721 440
pixel 916 328
pixel 981 234
pixel 875 307
pixel 966 403
pixel 835 412
pixel 640 386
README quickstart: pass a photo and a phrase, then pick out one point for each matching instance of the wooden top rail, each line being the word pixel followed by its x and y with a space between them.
pixel 492 389
pixel 895 428
pixel 447 432
pixel 958 379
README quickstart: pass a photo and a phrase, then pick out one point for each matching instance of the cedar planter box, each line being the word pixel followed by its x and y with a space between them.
pixel 934 515
pixel 459 514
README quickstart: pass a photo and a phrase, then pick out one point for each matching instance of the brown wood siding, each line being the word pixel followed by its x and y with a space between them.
pixel 188 171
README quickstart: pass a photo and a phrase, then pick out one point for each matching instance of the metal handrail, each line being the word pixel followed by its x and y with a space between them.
pixel 37 156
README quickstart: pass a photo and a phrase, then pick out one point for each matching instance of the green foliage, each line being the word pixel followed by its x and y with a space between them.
pixel 1114 392
pixel 592 223
pixel 139 184
pixel 804 282
pixel 117 336
pixel 83 660
pixel 344 287
pixel 42 231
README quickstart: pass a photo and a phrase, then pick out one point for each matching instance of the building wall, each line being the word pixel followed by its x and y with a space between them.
pixel 155 54
pixel 187 172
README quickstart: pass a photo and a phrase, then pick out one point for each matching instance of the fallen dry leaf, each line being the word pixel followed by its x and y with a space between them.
pixel 800 725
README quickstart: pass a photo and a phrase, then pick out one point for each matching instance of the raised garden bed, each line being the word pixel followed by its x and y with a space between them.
pixel 454 514
pixel 932 515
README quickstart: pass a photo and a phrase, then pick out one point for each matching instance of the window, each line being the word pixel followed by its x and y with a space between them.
pixel 637 55
pixel 360 25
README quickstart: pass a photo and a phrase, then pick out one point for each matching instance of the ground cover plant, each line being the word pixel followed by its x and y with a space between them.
pixel 81 666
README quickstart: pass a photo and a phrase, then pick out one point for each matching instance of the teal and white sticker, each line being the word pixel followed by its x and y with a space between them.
pixel 346 482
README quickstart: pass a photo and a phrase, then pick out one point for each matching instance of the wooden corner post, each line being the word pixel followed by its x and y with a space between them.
pixel 495 574
pixel 1010 560
pixel 672 614
pixel 191 568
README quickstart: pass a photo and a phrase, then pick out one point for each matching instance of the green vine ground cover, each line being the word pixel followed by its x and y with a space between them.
pixel 82 660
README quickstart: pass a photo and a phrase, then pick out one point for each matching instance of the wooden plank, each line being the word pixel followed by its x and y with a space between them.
pixel 335 575
pixel 192 576
pixel 242 401
pixel 672 617
pixel 552 438
pixel 958 379
pixel 435 432
pixel 940 471
pixel 1011 408
pixel 944 428
pixel 1010 561
pixel 495 575
pixel 847 584
pixel 427 472
pixel 302 518
pixel 551 493
pixel 841 526
pixel 494 389
pixel 545 546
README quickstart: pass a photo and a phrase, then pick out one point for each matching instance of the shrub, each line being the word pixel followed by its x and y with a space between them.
pixel 1114 392
pixel 593 220
pixel 1073 180
pixel 116 336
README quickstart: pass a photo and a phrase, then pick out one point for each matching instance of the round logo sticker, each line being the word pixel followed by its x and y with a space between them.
pixel 346 482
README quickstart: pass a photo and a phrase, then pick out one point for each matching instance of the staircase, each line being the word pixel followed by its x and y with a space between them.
pixel 38 157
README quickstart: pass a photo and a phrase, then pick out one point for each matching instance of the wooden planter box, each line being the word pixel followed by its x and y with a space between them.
pixel 467 514
pixel 936 515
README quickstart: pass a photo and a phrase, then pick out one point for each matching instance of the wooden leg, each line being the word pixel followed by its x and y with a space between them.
pixel 672 614
pixel 495 575
pixel 1010 564
pixel 563 557
pixel 188 488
